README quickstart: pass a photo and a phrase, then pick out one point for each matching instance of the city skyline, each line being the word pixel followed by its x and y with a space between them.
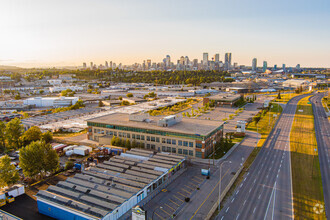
pixel 61 33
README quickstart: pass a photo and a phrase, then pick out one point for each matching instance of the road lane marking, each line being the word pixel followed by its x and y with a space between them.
pixel 227 209
pixel 254 209
pixel 232 200
pixel 250 190
pixel 259 196
pixel 237 216
pixel 182 195
pixel 222 217
pixel 237 192
pixel 244 202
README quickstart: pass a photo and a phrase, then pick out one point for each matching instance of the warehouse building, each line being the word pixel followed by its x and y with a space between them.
pixel 51 101
pixel 184 136
pixel 110 189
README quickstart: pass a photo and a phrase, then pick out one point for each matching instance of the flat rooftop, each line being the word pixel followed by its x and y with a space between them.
pixel 186 126
pixel 225 97
pixel 98 190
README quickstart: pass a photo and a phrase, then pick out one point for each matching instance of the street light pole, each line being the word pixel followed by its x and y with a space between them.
pixel 220 183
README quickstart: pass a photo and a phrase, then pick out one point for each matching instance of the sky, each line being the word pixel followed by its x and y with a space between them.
pixel 48 33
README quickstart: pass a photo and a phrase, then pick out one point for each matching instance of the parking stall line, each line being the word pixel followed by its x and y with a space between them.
pixel 198 177
pixel 185 191
pixel 159 216
pixel 178 198
pixel 165 212
pixel 170 207
pixel 182 195
pixel 189 187
pixel 174 202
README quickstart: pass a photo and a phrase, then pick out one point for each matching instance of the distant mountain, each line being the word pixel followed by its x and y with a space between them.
pixel 2 67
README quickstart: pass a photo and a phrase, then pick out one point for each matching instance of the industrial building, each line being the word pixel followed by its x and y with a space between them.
pixel 223 99
pixel 110 189
pixel 185 136
pixel 51 101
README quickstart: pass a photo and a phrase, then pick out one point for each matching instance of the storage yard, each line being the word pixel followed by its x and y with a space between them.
pixel 110 189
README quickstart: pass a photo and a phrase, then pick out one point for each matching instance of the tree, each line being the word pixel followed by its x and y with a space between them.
pixel 8 172
pixel 113 141
pixel 32 134
pixel 14 130
pixel 41 92
pixel 47 136
pixel 38 158
pixel 68 165
pixel 134 144
pixel 18 96
pixel 2 136
pixel 256 119
pixel 124 102
pixel 120 98
pixel 129 95
pixel 101 103
pixel 279 95
pixel 128 144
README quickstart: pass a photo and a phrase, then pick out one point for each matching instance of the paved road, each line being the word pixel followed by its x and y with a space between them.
pixel 322 131
pixel 266 191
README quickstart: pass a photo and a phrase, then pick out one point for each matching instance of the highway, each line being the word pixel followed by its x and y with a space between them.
pixel 322 132
pixel 266 190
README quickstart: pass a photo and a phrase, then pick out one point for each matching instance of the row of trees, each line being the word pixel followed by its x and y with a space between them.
pixel 13 136
pixel 36 159
pixel 156 77
pixel 116 141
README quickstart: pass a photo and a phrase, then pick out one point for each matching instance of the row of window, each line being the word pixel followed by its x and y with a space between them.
pixel 148 138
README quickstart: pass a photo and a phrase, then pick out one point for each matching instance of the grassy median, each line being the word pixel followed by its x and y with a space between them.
pixel 306 175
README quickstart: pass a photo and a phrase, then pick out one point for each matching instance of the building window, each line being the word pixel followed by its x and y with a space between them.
pixel 128 135
pixel 198 154
pixel 153 139
pixel 179 151
pixel 138 137
pixel 180 143
pixel 191 153
pixel 120 134
pixel 199 145
pixel 185 152
pixel 148 146
pixel 157 139
pixel 163 140
pixel 142 137
pixel 168 141
pixel 133 136
pixel 168 149
pixel 153 147
pixel 185 143
pixel 173 150
pixel 191 144
pixel 148 138
pixel 163 148
pixel 115 133
pixel 173 142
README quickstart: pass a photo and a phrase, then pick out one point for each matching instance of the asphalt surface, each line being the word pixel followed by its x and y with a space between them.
pixel 266 191
pixel 322 132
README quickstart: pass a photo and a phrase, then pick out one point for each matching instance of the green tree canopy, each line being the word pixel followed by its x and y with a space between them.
pixel 32 134
pixel 38 158
pixel 2 136
pixel 14 130
pixel 129 95
pixel 8 172
pixel 47 136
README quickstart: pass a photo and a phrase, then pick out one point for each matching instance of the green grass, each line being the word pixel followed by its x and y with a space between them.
pixel 266 123
pixel 286 97
pixel 264 127
pixel 306 175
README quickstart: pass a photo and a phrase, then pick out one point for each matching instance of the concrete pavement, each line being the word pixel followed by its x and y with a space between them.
pixel 266 191
pixel 322 132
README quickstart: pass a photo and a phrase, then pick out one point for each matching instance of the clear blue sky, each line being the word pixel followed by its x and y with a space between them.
pixel 69 32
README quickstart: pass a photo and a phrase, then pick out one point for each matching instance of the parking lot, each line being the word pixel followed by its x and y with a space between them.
pixel 168 202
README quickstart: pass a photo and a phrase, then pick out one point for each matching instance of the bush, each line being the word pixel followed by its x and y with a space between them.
pixel 69 165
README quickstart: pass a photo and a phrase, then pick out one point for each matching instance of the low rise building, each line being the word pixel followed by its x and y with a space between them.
pixel 183 136
pixel 51 101
pixel 110 189
pixel 222 99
